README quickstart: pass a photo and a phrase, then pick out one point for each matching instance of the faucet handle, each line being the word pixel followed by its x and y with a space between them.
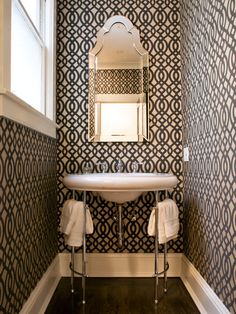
pixel 103 166
pixel 87 167
pixel 135 166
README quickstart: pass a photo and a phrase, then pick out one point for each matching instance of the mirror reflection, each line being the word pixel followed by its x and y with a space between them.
pixel 118 84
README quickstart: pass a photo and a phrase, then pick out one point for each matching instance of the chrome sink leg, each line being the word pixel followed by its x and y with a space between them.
pixel 72 263
pixel 156 250
pixel 84 260
pixel 120 233
pixel 72 269
pixel 165 267
pixel 83 274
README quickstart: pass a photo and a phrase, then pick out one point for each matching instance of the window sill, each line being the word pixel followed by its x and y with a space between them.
pixel 14 108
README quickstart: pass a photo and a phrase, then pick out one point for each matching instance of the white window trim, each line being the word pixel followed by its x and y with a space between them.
pixel 16 109
pixel 11 106
pixel 50 88
pixel 37 33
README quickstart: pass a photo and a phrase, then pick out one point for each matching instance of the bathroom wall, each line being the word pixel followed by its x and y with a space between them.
pixel 119 81
pixel 208 41
pixel 28 216
pixel 77 25
pixel 115 81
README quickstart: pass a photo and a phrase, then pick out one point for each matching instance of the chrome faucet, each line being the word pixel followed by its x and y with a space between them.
pixel 119 166
pixel 103 166
pixel 135 166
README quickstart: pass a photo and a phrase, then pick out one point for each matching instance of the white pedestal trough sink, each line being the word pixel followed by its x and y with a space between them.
pixel 120 187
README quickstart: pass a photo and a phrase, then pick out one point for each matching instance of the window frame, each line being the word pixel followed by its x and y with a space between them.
pixel 39 35
pixel 12 106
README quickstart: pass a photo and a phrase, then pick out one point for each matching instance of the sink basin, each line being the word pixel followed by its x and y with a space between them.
pixel 120 187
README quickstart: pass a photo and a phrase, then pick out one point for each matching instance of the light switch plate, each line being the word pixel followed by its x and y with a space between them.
pixel 186 154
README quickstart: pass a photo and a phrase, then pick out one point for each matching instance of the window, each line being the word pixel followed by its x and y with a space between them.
pixel 29 52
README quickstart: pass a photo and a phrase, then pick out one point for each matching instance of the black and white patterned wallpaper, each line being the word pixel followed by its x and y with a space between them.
pixel 119 81
pixel 28 216
pixel 77 25
pixel 208 41
pixel 114 81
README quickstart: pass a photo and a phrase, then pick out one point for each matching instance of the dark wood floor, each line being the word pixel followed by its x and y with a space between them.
pixel 121 296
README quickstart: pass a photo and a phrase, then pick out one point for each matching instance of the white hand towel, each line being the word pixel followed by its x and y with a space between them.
pixel 171 218
pixel 168 221
pixel 72 222
pixel 151 225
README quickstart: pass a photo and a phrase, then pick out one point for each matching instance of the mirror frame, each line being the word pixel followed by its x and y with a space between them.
pixel 92 67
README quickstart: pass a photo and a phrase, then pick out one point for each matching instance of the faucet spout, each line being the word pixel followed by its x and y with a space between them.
pixel 119 166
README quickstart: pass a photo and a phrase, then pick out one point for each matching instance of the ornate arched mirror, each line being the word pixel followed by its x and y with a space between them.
pixel 118 84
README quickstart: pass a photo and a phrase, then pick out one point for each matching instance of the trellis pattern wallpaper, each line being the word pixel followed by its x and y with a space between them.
pixel 77 25
pixel 208 41
pixel 114 81
pixel 28 216
pixel 119 81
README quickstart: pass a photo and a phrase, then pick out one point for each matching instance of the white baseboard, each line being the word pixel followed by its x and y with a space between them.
pixel 125 265
pixel 99 265
pixel 203 296
pixel 41 295
pixel 121 264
